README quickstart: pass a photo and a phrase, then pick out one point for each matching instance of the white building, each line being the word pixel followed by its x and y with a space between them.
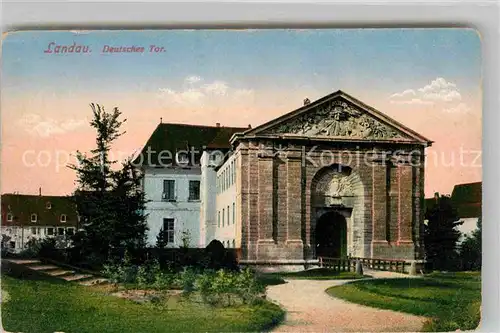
pixel 228 228
pixel 26 217
pixel 180 181
pixel 467 198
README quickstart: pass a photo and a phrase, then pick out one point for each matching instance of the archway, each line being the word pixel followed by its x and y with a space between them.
pixel 331 235
pixel 338 190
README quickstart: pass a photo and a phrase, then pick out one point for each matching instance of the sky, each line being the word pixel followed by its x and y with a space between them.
pixel 428 79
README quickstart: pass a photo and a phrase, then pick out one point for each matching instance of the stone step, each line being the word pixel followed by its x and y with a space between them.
pixel 43 267
pixel 75 277
pixel 59 272
pixel 93 282
pixel 24 261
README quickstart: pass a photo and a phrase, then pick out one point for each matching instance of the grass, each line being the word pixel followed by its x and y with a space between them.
pixel 451 300
pixel 311 274
pixel 39 303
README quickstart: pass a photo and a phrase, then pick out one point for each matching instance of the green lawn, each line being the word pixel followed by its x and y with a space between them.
pixel 312 274
pixel 451 300
pixel 38 304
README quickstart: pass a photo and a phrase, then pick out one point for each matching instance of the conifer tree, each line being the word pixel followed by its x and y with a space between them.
pixel 441 234
pixel 110 202
pixel 471 249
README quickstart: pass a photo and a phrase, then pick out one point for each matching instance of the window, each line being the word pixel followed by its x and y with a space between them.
pixel 223 214
pixel 234 212
pixel 228 215
pixel 231 173
pixel 34 231
pixel 234 245
pixel 9 217
pixel 182 158
pixel 34 218
pixel 70 231
pixel 50 231
pixel 194 190
pixel 60 231
pixel 218 218
pixel 63 218
pixel 168 228
pixel 48 205
pixel 169 190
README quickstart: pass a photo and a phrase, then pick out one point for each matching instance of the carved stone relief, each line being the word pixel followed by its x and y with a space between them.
pixel 337 119
pixel 339 186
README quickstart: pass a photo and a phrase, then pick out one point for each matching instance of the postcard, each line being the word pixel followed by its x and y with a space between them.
pixel 285 180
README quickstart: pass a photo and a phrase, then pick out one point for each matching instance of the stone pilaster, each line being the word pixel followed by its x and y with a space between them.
pixel 280 215
pixel 294 203
pixel 379 244
pixel 265 197
pixel 406 203
pixel 242 179
pixel 379 204
pixel 253 195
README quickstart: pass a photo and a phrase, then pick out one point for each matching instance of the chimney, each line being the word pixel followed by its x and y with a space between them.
pixel 40 191
pixel 249 125
pixel 161 120
pixel 307 101
pixel 436 196
pixel 217 124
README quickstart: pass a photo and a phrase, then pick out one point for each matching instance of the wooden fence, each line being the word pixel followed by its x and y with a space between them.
pixel 349 264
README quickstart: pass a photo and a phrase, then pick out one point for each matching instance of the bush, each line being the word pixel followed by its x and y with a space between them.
pixel 32 248
pixel 163 280
pixel 218 288
pixel 225 288
pixel 186 279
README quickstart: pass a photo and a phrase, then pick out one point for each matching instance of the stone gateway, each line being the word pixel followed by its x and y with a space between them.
pixel 334 178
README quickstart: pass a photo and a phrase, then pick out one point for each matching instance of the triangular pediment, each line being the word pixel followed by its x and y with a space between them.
pixel 338 116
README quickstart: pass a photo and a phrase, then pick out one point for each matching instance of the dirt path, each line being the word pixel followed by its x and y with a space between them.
pixel 311 309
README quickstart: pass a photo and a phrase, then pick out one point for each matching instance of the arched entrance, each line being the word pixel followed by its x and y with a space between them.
pixel 331 235
pixel 338 211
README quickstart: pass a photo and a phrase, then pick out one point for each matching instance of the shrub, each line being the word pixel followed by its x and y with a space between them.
pixel 248 287
pixel 120 273
pixel 163 280
pixel 186 279
pixel 215 252
pixel 224 288
pixel 142 277
pixel 32 248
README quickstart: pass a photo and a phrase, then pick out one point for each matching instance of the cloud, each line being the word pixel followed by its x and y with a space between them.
pixel 437 85
pixel 440 93
pixel 217 88
pixel 405 94
pixel 35 125
pixel 416 101
pixel 197 95
pixel 460 108
pixel 192 79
